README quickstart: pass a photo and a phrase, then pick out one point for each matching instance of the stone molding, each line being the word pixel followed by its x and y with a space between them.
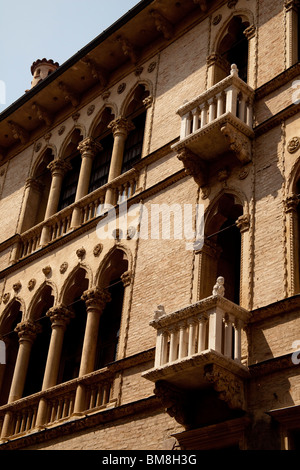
pixel 229 387
pixel 60 315
pixel 28 330
pixel 193 165
pixel 89 147
pixel 59 167
pixel 96 298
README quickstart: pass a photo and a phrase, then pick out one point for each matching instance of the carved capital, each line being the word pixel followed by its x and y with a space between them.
pixel 250 31
pixel 238 142
pixel 96 298
pixel 59 167
pixel 126 278
pixel 229 387
pixel 120 126
pixel 34 184
pixel 89 147
pixel 291 204
pixel 243 223
pixel 60 316
pixel 193 165
pixel 27 330
pixel 291 5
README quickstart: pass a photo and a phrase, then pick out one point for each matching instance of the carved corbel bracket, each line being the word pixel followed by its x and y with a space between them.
pixel 229 387
pixel 238 142
pixel 194 166
pixel 97 72
pixel 128 49
pixel 202 4
pixel 19 133
pixel 162 24
pixel 42 114
pixel 69 95
pixel 172 399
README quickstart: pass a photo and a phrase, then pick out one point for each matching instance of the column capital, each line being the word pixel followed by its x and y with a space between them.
pixel 96 298
pixel 89 147
pixel 59 167
pixel 33 183
pixel 291 4
pixel 126 278
pixel 291 203
pixel 243 223
pixel 121 126
pixel 60 315
pixel 27 330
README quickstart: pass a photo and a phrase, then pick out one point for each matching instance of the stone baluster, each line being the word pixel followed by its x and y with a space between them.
pixel 215 329
pixel 203 115
pixel 195 114
pixel 237 340
pixel 192 331
pixel 212 110
pixel 161 348
pixel 202 321
pixel 220 104
pixel 173 343
pixel 185 125
pixel 183 344
pixel 228 330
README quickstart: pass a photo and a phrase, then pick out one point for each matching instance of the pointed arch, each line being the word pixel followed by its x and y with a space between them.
pixel 110 108
pixel 139 91
pixel 45 290
pixel 82 272
pixel 120 251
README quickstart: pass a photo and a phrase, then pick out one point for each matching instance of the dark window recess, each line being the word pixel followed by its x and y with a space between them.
pixel 69 186
pixel 101 164
pixel 134 143
pixel 110 326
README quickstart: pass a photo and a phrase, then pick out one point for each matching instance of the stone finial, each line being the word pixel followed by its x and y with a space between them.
pixel 41 68
pixel 159 312
pixel 234 70
pixel 219 288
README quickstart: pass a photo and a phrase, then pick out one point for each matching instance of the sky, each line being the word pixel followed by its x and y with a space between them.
pixel 54 29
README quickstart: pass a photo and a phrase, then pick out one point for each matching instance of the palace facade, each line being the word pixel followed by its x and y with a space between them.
pixel 128 322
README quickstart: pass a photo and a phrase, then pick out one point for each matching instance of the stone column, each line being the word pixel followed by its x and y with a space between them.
pixel 32 197
pixel 95 300
pixel 120 128
pixel 243 224
pixel 291 12
pixel 27 332
pixel 60 316
pixel 58 170
pixel 292 230
pixel 88 149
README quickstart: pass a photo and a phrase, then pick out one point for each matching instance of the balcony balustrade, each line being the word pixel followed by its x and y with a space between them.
pixel 217 122
pixel 20 417
pixel 90 207
pixel 198 343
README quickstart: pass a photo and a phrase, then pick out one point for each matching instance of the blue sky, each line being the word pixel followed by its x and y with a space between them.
pixel 55 29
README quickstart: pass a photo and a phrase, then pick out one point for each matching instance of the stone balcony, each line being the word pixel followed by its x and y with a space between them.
pixel 198 349
pixel 216 123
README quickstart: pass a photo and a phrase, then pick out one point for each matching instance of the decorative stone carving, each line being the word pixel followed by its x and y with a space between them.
pixel 238 143
pixel 223 174
pixel 291 203
pixel 38 147
pixel 6 297
pixel 219 288
pixel 96 298
pixel 243 223
pixel 17 286
pixel 89 146
pixel 59 167
pixel 60 315
pixel 138 71
pixel 98 249
pixel 42 114
pixel 75 116
pixel 128 49
pixel 232 3
pixel 159 312
pixel 193 165
pixel 69 95
pixel 81 252
pixel 90 110
pixel 98 73
pixel 121 88
pixel 228 386
pixel 216 20
pixel 205 192
pixel 47 136
pixel 162 24
pixel 63 267
pixel 61 130
pixel 152 67
pixel 131 233
pixel 19 133
pixel 250 31
pixel 293 145
pixel 120 125
pixel 243 174
pixel 47 270
pixel 28 330
pixel 126 278
pixel 106 95
pixel 173 400
pixel 202 4
pixel 31 284
pixel 147 102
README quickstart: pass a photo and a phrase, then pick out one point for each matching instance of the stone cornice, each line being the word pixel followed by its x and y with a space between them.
pixel 275 364
pixel 279 307
pixel 277 119
pixel 278 81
